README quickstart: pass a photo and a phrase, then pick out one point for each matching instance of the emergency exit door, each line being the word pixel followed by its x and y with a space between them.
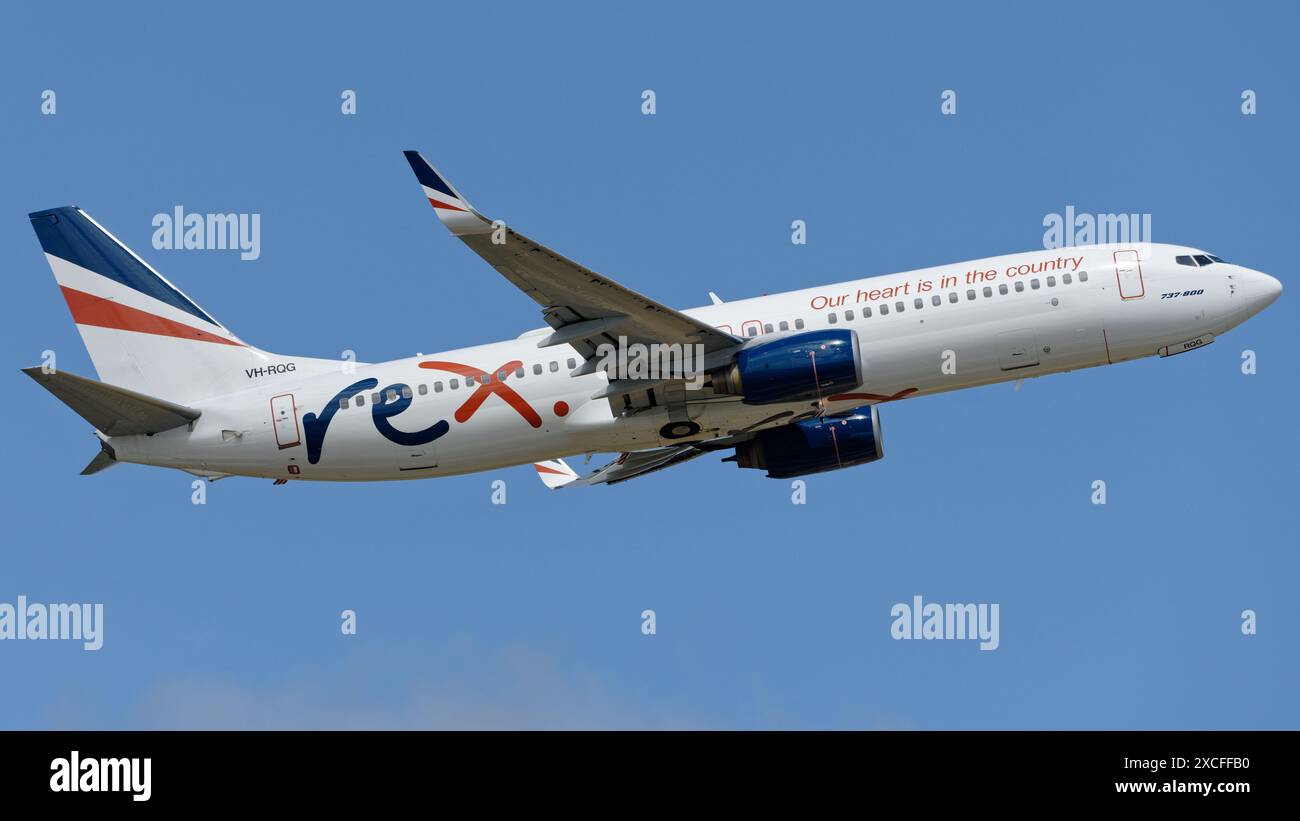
pixel 284 417
pixel 1129 273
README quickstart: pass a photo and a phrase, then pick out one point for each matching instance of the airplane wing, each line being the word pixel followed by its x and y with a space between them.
pixel 585 308
pixel 555 473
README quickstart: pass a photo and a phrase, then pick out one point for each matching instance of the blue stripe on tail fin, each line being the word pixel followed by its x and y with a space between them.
pixel 69 234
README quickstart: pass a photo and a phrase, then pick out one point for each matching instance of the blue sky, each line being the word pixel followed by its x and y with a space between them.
pixel 769 614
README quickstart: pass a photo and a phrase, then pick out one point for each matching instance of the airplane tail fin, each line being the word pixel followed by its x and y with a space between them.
pixel 142 333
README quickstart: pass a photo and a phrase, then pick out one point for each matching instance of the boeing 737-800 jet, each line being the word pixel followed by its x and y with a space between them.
pixel 790 383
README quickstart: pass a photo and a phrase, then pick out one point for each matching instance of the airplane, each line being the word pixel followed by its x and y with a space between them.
pixel 789 383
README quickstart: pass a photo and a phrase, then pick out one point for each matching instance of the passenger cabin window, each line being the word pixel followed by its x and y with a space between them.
pixel 1065 278
pixel 785 326
pixel 424 390
pixel 1020 286
pixel 918 303
pixel 898 307
pixel 866 312
pixel 1051 282
pixel 831 318
pixel 361 400
pixel 884 309
pixel 1035 284
pixel 848 315
pixel 1083 276
pixel 555 366
pixel 752 330
pixel 988 291
pixel 971 293
pixel 952 298
pixel 537 369
pixel 454 384
pixel 406 391
pixel 767 329
pixel 1002 289
pixel 798 324
pixel 437 387
pixel 343 403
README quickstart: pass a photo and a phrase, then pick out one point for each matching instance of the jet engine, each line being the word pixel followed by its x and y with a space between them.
pixel 815 445
pixel 803 366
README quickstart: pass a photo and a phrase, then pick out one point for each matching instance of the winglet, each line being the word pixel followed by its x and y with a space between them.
pixel 453 210
pixel 555 474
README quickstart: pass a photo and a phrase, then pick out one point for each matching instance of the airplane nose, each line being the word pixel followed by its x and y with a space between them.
pixel 1264 288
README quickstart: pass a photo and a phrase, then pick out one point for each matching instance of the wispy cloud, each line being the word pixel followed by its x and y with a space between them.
pixel 512 689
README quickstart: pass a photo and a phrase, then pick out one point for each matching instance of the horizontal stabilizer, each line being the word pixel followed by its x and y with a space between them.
pixel 554 473
pixel 112 410
pixel 102 461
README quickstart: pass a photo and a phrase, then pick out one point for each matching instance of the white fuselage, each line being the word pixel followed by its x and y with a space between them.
pixel 1120 303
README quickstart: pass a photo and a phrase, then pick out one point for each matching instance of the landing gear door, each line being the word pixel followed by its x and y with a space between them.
pixel 1128 270
pixel 284 418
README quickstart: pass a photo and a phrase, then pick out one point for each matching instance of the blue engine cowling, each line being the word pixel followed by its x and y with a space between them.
pixel 815 445
pixel 809 365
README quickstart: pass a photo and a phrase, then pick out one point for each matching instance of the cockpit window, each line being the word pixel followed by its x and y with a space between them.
pixel 1198 259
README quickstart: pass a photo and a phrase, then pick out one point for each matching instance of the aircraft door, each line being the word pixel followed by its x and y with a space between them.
pixel 1128 271
pixel 284 419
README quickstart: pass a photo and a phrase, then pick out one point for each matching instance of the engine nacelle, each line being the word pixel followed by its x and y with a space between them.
pixel 815 445
pixel 804 366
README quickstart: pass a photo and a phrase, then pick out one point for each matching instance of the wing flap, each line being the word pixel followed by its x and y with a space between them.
pixel 627 466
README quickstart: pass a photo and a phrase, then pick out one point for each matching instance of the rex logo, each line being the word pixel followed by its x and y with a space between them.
pixel 392 400
pixel 396 398
pixel 487 386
